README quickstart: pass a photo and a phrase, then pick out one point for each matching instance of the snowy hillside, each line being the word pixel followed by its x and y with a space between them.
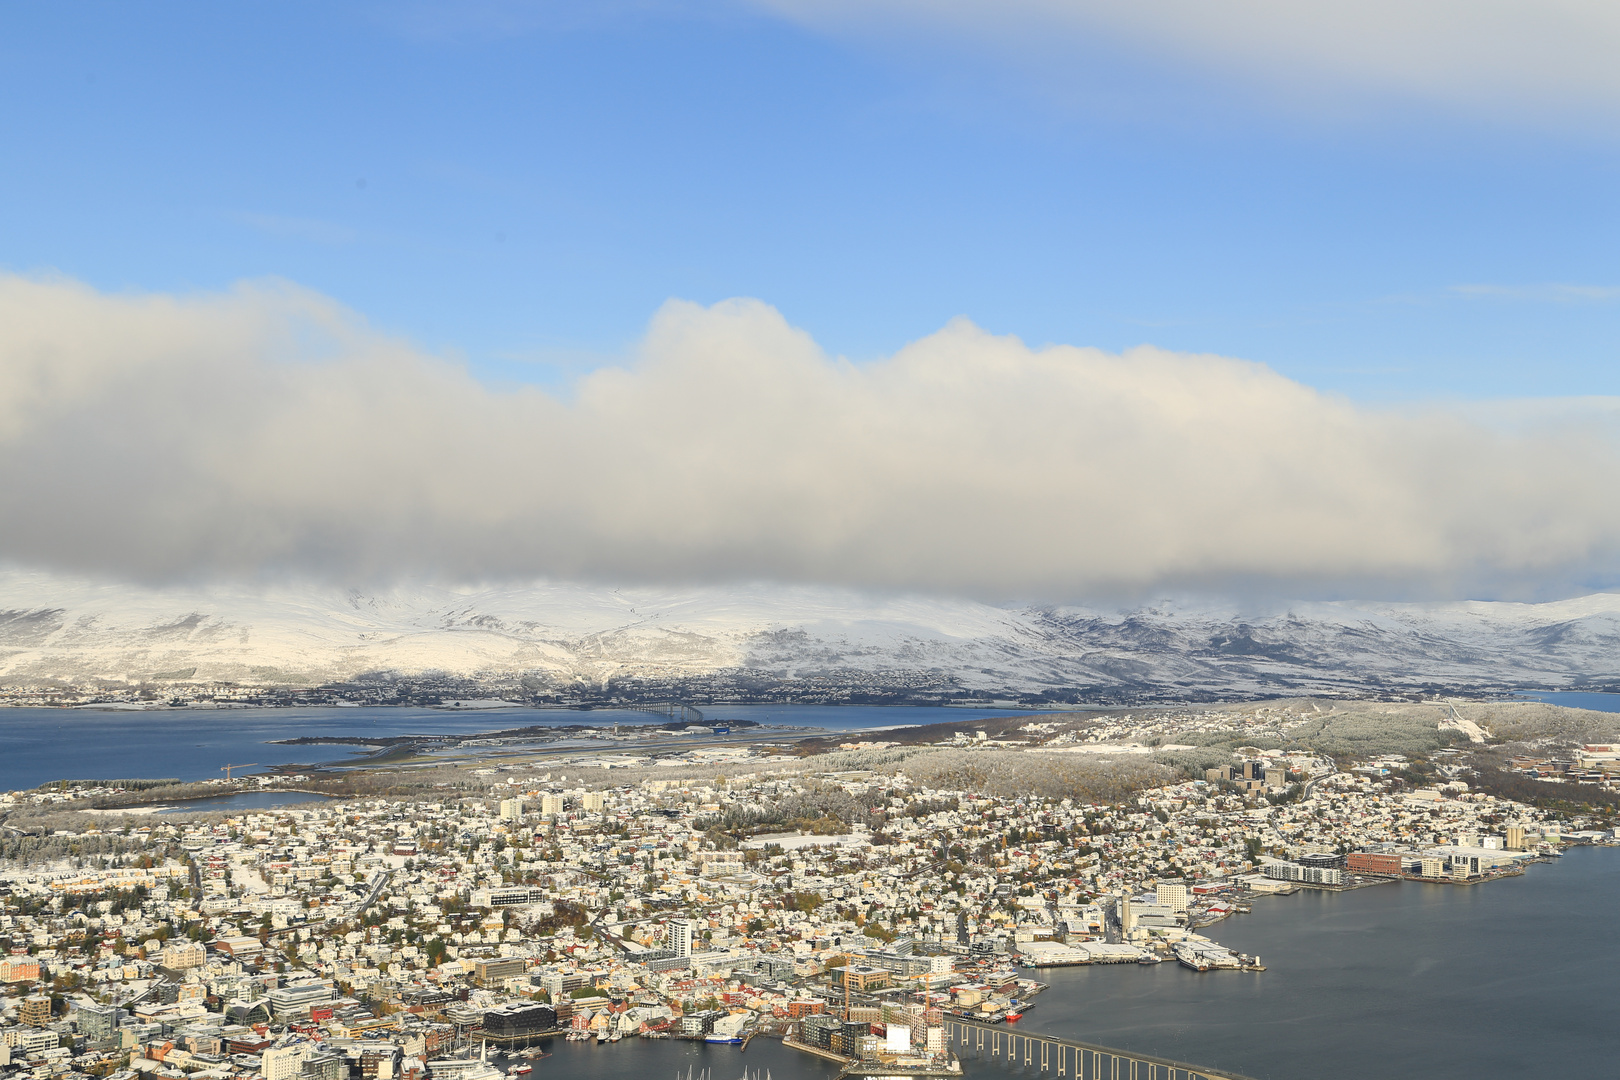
pixel 60 630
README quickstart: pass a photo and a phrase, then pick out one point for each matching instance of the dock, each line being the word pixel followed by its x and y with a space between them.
pixel 826 1055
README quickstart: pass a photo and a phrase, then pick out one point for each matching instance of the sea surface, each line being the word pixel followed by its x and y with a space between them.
pixel 1577 699
pixel 41 745
pixel 1511 979
pixel 244 800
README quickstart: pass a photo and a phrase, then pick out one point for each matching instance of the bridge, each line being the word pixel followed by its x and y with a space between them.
pixel 1067 1058
pixel 672 709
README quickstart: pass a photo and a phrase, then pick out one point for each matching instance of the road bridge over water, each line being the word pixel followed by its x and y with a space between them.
pixel 1068 1058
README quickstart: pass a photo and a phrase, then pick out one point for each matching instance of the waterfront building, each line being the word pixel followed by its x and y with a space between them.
pixel 1172 895
pixel 1310 875
pixel 1367 862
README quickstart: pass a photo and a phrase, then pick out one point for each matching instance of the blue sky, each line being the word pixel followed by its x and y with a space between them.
pixel 524 185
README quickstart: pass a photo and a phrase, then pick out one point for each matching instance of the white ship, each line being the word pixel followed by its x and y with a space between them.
pixel 1205 956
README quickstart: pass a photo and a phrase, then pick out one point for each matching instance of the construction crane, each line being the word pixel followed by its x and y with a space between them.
pixel 227 769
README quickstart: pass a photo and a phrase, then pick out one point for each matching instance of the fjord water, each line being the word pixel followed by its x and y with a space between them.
pixel 1516 978
pixel 41 745
pixel 1577 699
pixel 1512 978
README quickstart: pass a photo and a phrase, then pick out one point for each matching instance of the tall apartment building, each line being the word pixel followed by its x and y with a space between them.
pixel 679 936
pixel 34 1010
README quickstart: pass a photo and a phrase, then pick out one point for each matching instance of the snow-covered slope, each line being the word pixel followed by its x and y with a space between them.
pixel 61 630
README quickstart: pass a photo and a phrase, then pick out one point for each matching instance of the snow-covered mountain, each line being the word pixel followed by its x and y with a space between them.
pixel 60 630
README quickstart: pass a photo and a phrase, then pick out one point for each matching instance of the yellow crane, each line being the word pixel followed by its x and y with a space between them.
pixel 227 769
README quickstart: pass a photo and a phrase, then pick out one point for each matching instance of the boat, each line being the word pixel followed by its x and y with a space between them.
pixel 730 1040
pixel 1014 1017
pixel 520 1070
pixel 602 1036
pixel 1206 957
pixel 615 1037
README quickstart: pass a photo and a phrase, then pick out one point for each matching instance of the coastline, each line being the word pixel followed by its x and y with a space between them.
pixel 178 805
pixel 1388 971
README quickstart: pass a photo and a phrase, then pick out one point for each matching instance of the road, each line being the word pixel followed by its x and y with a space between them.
pixel 1310 784
pixel 370 898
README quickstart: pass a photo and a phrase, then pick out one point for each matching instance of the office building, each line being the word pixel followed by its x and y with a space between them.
pixel 1172 895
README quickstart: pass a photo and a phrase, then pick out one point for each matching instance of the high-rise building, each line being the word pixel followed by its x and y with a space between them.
pixel 679 934
pixel 592 802
pixel 97 1022
pixel 1171 895
pixel 552 804
pixel 34 1010
pixel 511 809
pixel 283 1062
pixel 323 1065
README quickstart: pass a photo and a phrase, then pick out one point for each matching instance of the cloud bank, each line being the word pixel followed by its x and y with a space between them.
pixel 268 432
pixel 1519 59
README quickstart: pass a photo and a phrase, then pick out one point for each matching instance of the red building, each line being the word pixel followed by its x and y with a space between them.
pixel 1366 862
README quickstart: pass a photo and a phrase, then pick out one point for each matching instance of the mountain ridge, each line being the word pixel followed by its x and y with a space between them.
pixel 558 638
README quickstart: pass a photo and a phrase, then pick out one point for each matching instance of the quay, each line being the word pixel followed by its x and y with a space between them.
pixel 827 1055
pixel 1068 1058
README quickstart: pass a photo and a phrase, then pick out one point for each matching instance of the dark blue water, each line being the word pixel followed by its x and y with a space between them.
pixel 1577 699
pixel 245 800
pixel 1513 979
pixel 40 745
pixel 1516 978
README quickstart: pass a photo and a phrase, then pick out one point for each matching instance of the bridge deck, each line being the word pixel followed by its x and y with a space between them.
pixel 1070 1058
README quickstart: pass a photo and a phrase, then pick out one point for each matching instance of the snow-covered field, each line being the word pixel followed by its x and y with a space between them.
pixel 74 630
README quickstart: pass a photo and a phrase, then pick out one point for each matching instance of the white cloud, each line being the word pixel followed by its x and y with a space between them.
pixel 1506 58
pixel 267 431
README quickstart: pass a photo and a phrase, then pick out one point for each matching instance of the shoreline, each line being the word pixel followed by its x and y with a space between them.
pixel 177 805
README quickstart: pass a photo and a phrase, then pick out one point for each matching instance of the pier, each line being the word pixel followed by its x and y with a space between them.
pixel 827 1055
pixel 1068 1058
